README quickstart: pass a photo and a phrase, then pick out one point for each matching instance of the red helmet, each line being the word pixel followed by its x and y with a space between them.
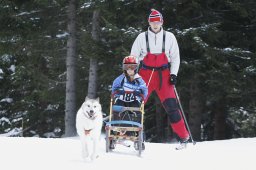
pixel 129 62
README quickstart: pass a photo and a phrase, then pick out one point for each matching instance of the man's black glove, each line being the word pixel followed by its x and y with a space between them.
pixel 173 79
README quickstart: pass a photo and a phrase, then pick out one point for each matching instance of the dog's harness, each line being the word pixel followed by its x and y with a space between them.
pixel 87 131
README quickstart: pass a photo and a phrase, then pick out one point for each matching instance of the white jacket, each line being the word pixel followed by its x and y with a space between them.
pixel 139 48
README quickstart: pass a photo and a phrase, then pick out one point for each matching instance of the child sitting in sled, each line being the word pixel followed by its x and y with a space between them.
pixel 129 89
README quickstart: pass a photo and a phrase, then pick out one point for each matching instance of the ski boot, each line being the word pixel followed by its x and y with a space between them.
pixel 182 144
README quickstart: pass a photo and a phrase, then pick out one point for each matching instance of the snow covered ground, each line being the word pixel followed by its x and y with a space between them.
pixel 65 154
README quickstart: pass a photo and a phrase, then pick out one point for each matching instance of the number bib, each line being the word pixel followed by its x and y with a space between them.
pixel 127 97
pixel 129 88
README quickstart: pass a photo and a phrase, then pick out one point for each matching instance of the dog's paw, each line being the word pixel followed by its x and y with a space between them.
pixel 94 156
pixel 85 155
pixel 87 159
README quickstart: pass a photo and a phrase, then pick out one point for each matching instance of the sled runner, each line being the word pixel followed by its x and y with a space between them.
pixel 125 123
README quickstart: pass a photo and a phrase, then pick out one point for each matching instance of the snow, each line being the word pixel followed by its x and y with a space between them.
pixel 4 120
pixel 6 58
pixel 52 107
pixel 12 132
pixel 251 69
pixel 65 154
pixel 1 72
pixel 238 50
pixel 63 35
pixel 203 27
pixel 86 5
pixel 8 100
pixel 12 68
pixel 28 13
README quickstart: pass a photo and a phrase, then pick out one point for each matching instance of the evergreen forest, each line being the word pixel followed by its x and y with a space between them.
pixel 216 79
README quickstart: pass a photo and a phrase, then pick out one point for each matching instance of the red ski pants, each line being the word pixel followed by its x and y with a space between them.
pixel 167 97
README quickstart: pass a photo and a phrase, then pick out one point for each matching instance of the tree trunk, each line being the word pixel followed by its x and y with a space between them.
pixel 220 120
pixel 70 110
pixel 92 84
pixel 195 109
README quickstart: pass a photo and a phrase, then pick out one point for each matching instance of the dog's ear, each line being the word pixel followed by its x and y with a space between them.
pixel 98 99
pixel 86 98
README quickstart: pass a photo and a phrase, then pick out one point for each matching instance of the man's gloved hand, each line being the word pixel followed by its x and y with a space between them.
pixel 173 79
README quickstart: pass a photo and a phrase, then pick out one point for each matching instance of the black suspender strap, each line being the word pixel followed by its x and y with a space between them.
pixel 147 44
pixel 163 48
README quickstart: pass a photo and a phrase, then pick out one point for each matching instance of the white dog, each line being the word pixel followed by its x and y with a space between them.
pixel 88 124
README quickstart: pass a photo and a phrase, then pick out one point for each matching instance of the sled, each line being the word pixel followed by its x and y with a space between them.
pixel 122 126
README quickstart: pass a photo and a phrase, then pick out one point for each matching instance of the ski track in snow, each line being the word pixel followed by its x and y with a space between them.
pixel 65 154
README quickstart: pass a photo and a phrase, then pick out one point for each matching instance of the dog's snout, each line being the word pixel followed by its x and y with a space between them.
pixel 91 113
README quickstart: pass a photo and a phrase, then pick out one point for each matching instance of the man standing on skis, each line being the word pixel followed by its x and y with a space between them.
pixel 158 52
